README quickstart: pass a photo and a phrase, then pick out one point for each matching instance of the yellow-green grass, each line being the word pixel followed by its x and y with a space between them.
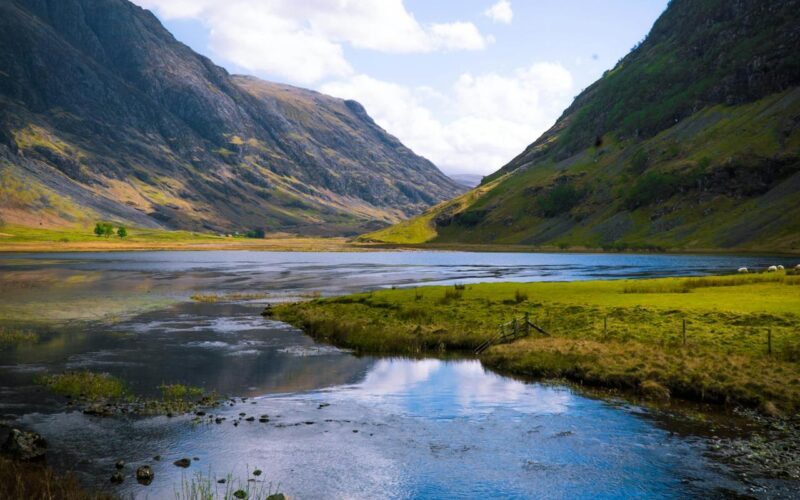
pixel 211 298
pixel 725 358
pixel 173 392
pixel 15 336
pixel 85 384
pixel 421 229
pixel 15 238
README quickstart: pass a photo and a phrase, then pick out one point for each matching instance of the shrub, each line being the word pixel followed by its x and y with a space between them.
pixel 103 229
pixel 559 199
pixel 122 232
pixel 651 187
pixel 255 233
pixel 520 297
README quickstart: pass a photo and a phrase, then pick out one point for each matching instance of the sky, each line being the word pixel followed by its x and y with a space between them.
pixel 466 83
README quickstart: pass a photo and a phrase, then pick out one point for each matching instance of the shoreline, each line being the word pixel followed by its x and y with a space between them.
pixel 343 245
pixel 750 401
pixel 640 352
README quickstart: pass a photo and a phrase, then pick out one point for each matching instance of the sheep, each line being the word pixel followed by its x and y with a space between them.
pixel 772 269
pixel 780 267
pixel 797 267
pixel 743 270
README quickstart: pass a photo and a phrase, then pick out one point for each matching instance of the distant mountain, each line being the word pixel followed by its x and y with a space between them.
pixel 691 141
pixel 468 180
pixel 104 115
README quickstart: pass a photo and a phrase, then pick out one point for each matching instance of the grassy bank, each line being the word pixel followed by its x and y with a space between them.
pixel 625 334
pixel 30 480
pixel 82 239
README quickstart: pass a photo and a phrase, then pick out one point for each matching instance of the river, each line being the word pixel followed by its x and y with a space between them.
pixel 340 425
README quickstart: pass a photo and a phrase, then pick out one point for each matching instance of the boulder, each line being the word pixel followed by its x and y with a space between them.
pixel 26 446
pixel 145 475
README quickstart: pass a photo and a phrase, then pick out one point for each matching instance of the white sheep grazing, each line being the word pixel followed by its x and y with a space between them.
pixel 743 270
pixel 772 269
pixel 797 267
pixel 780 267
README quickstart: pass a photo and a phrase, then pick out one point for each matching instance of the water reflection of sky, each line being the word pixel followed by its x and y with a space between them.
pixel 447 390
pixel 406 429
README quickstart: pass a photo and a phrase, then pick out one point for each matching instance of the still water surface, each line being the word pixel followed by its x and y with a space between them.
pixel 340 426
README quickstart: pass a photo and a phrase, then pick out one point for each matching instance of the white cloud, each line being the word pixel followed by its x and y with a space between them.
pixel 457 36
pixel 490 117
pixel 303 41
pixel 500 12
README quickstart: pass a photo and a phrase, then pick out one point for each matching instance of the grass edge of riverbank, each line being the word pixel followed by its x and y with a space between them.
pixel 439 319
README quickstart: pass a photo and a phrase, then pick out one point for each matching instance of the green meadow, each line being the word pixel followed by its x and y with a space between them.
pixel 741 343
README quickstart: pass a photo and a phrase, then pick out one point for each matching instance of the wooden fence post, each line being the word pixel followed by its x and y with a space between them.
pixel 684 331
pixel 527 324
pixel 516 328
pixel 605 326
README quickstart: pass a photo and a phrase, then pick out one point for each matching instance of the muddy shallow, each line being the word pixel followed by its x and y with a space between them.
pixel 339 425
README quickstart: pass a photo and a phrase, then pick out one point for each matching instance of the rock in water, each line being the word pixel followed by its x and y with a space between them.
pixel 183 462
pixel 27 446
pixel 120 464
pixel 117 477
pixel 144 475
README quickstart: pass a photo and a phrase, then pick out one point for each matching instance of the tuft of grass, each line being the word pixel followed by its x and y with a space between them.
pixel 28 480
pixel 204 298
pixel 209 487
pixel 11 337
pixel 450 295
pixel 84 384
pixel 199 297
pixel 173 392
pixel 725 359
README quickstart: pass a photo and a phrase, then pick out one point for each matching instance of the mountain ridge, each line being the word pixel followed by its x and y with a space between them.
pixel 106 116
pixel 692 141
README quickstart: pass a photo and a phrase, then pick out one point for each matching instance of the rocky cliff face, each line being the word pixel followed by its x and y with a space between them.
pixel 691 141
pixel 103 114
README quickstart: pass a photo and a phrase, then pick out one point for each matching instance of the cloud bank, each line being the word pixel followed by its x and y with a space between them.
pixel 478 125
pixel 475 124
pixel 303 41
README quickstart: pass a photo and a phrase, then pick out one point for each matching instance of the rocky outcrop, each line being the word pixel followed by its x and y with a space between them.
pixel 25 446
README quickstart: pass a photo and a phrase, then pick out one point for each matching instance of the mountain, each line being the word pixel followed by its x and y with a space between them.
pixel 692 141
pixel 105 116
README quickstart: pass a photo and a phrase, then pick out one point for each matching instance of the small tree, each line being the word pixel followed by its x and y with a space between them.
pixel 109 230
pixel 99 230
pixel 122 232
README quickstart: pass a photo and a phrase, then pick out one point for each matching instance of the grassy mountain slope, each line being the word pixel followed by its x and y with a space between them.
pixel 691 141
pixel 104 115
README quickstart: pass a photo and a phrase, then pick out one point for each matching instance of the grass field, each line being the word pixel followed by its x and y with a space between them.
pixel 82 239
pixel 625 334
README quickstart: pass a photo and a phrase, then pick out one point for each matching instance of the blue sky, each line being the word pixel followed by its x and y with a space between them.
pixel 465 83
